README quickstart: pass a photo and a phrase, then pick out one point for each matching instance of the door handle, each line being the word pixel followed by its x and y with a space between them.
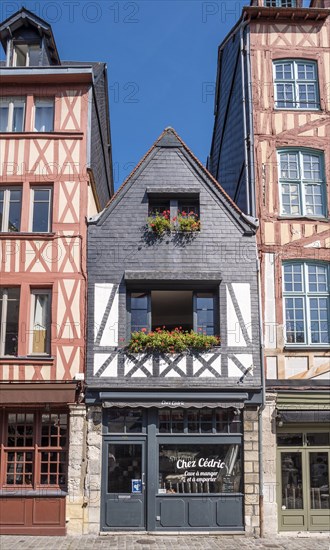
pixel 143 481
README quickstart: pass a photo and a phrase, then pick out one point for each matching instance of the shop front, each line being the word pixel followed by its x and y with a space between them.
pixel 173 465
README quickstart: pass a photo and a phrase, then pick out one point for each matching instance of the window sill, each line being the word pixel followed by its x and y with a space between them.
pixel 306 347
pixel 302 109
pixel 26 358
pixel 303 218
pixel 26 235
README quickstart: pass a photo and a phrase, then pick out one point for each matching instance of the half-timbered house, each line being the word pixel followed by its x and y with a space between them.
pixel 172 435
pixel 271 152
pixel 52 175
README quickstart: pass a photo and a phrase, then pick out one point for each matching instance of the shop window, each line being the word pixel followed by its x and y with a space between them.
pixel 41 321
pixel 200 468
pixel 41 198
pixel 302 183
pixel 172 309
pixel 35 450
pixel 44 115
pixel 10 209
pixel 26 55
pixel 12 114
pixel 124 465
pixel 306 301
pixel 9 316
pixel 197 421
pixel 292 481
pixel 296 84
pixel 125 420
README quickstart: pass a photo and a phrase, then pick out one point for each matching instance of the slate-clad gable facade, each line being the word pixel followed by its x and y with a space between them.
pixel 220 258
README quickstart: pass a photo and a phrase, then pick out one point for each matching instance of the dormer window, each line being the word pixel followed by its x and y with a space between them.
pixel 26 55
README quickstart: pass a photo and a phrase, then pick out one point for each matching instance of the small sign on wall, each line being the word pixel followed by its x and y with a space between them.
pixel 136 485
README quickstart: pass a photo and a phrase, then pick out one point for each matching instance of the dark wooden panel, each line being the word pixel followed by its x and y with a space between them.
pixel 32 516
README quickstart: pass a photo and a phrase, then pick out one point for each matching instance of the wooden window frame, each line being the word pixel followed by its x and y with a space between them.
pixel 295 81
pixel 35 292
pixel 36 449
pixel 11 100
pixel 34 188
pixel 3 327
pixel 6 207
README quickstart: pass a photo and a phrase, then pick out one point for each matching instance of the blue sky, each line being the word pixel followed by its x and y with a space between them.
pixel 161 58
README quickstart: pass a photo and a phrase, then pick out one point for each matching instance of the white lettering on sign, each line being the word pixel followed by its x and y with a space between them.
pixel 202 463
pixel 173 403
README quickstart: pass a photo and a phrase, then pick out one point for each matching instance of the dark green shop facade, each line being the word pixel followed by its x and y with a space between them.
pixel 171 463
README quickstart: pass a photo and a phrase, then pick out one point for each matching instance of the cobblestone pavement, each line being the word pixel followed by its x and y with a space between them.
pixel 171 542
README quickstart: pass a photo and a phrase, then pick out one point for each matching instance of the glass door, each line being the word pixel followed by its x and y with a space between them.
pixel 318 465
pixel 123 504
pixel 303 474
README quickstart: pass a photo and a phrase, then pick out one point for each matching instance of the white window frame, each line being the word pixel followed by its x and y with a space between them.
pixel 36 292
pixel 11 101
pixel 305 294
pixel 6 204
pixel 302 182
pixel 3 326
pixel 296 105
pixel 27 58
pixel 279 3
pixel 47 102
pixel 41 188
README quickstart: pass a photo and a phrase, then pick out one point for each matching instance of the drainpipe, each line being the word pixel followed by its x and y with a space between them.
pixel 251 132
pixel 261 408
pixel 244 104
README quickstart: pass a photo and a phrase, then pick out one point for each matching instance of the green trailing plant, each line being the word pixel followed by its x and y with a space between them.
pixel 188 222
pixel 185 222
pixel 171 341
pixel 160 222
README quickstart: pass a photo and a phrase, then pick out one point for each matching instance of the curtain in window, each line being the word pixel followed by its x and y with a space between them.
pixel 44 117
pixel 40 323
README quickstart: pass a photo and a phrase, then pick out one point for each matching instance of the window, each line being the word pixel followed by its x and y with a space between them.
pixel 185 309
pixel 12 114
pixel 40 321
pixel 200 468
pixel 125 420
pixel 41 209
pixel 200 421
pixel 302 183
pixel 174 205
pixel 10 209
pixel 26 55
pixel 44 115
pixel 35 449
pixel 306 300
pixel 280 3
pixel 9 317
pixel 296 84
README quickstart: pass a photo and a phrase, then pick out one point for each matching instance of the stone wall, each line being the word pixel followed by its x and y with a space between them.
pixel 94 470
pixel 251 472
pixel 269 466
pixel 75 504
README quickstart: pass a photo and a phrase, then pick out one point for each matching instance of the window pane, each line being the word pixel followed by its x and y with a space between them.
pixel 319 476
pixel 41 323
pixel 15 204
pixel 44 115
pixel 4 112
pixel 317 278
pixel 9 305
pixel 204 468
pixel 205 313
pixel 312 168
pixel 293 278
pixel 289 440
pixel 18 118
pixel 124 466
pixel 139 311
pixel 295 324
pixel 125 420
pixel 319 320
pixel 21 54
pixel 314 200
pixel 290 199
pixel 291 468
pixel 41 210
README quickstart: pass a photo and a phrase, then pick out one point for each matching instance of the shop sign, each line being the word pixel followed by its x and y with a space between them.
pixel 136 485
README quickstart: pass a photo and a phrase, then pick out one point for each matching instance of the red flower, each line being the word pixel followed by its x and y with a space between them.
pixel 183 213
pixel 143 330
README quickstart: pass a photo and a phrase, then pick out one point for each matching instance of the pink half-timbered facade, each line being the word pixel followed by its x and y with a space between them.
pixel 49 184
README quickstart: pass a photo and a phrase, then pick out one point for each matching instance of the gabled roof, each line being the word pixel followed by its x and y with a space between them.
pixel 24 17
pixel 170 139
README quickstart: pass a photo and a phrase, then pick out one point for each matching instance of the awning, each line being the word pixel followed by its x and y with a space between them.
pixel 29 393
pixel 302 417
pixel 173 400
pixel 172 405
